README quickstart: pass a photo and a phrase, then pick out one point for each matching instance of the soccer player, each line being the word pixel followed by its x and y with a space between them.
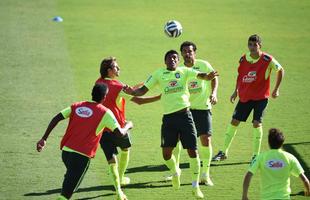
pixel 203 94
pixel 275 167
pixel 253 88
pixel 177 119
pixel 87 119
pixel 115 101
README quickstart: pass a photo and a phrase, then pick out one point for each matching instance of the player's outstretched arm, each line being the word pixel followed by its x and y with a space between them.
pixel 208 77
pixel 136 92
pixel 121 132
pixel 306 184
pixel 42 142
pixel 145 100
pixel 275 92
pixel 246 184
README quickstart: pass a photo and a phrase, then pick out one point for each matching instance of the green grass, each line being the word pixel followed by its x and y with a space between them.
pixel 45 66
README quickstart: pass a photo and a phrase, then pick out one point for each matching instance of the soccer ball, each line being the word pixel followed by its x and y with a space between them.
pixel 173 28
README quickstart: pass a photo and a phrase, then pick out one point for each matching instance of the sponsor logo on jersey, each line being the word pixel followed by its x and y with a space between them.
pixel 173 83
pixel 177 75
pixel 173 86
pixel 194 87
pixel 275 164
pixel 250 77
pixel 84 112
pixel 193 84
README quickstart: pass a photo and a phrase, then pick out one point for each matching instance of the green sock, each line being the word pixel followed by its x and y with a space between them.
pixel 171 164
pixel 61 198
pixel 257 139
pixel 115 176
pixel 123 163
pixel 176 153
pixel 229 136
pixel 194 165
pixel 205 153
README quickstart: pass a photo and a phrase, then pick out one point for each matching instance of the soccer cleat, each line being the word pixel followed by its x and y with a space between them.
pixel 206 180
pixel 125 181
pixel 121 195
pixel 197 193
pixel 219 156
pixel 169 177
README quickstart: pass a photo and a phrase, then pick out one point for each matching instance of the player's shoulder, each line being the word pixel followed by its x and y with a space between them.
pixel 99 80
pixel 159 71
pixel 79 103
pixel 288 155
pixel 242 58
pixel 267 57
pixel 203 63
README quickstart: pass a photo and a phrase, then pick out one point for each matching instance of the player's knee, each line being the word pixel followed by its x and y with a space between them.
pixel 167 156
pixel 192 153
pixel 235 122
pixel 167 153
pixel 112 160
pixel 205 139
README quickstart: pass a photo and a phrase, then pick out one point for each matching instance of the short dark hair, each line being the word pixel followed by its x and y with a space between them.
pixel 187 44
pixel 99 91
pixel 171 52
pixel 275 138
pixel 105 65
pixel 255 38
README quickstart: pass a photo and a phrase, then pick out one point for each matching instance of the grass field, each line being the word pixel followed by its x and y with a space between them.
pixel 45 66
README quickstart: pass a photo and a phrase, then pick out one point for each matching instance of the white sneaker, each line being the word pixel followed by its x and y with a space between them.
pixel 206 180
pixel 168 178
pixel 197 193
pixel 125 180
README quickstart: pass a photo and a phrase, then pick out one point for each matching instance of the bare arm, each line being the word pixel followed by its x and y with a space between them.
pixel 209 76
pixel 121 132
pixel 246 184
pixel 275 92
pixel 145 100
pixel 42 142
pixel 306 184
pixel 214 86
pixel 136 92
pixel 235 93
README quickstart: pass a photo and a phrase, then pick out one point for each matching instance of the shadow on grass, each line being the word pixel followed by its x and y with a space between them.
pixel 145 185
pixel 290 148
pixel 98 196
pixel 301 193
pixel 160 168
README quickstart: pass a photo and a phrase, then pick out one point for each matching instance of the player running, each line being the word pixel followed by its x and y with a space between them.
pixel 253 88
pixel 177 121
pixel 87 119
pixel 275 167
